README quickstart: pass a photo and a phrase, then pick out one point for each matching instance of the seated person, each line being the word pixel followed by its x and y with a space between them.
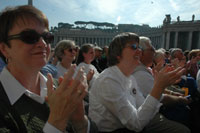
pixel 28 101
pixel 193 62
pixel 145 81
pixel 65 52
pixel 117 105
pixel 50 67
pixel 179 60
pixel 95 62
pixel 85 58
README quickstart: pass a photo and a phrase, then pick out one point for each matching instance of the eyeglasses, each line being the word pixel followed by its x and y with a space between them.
pixel 134 46
pixel 72 49
pixel 31 37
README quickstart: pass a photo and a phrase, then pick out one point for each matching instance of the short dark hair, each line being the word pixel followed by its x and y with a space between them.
pixel 84 49
pixel 10 15
pixel 118 44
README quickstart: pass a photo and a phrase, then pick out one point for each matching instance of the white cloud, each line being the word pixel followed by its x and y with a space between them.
pixel 174 5
pixel 150 12
pixel 118 19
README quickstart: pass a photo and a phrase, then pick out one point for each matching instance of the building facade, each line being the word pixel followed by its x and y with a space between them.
pixel 181 34
pixel 81 36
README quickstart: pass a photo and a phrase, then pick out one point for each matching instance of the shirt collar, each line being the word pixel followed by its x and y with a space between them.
pixel 14 89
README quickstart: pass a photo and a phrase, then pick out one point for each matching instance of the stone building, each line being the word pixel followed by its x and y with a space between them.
pixel 181 34
pixel 81 36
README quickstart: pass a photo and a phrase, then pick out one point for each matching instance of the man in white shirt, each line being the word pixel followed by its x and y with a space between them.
pixel 145 80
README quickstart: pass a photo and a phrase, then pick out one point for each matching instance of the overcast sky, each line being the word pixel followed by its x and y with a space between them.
pixel 150 12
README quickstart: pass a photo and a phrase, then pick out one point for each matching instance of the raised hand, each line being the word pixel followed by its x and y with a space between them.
pixel 64 100
pixel 90 75
pixel 164 78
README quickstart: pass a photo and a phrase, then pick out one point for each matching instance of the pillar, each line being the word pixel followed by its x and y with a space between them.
pixel 176 40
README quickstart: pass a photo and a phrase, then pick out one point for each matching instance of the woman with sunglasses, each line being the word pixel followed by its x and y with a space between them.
pixel 85 57
pixel 28 101
pixel 117 105
pixel 65 51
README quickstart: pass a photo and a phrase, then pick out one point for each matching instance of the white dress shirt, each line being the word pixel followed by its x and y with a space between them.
pixel 116 102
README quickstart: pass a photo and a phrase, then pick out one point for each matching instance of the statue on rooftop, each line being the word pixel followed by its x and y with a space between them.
pixel 178 19
pixel 193 16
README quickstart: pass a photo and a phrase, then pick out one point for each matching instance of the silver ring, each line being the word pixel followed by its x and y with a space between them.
pixel 79 91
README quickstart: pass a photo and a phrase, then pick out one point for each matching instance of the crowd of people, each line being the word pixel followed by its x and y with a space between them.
pixel 125 87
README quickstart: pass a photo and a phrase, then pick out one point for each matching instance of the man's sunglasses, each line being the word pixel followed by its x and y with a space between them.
pixel 135 46
pixel 31 37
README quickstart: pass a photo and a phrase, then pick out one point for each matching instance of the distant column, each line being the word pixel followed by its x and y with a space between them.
pixel 94 40
pixel 163 41
pixel 190 41
pixel 176 40
pixel 199 40
pixel 30 2
pixel 167 40
pixel 83 40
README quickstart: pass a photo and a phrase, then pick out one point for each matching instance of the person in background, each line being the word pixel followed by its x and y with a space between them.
pixel 95 62
pixel 117 105
pixel 158 63
pixel 77 52
pixel 28 101
pixel 167 56
pixel 103 63
pixel 193 63
pixel 179 60
pixel 65 51
pixel 50 67
pixel 174 102
pixel 85 57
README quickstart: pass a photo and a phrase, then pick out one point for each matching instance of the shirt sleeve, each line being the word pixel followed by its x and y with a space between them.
pixel 115 98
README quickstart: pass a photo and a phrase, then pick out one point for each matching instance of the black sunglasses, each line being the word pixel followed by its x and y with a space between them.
pixel 31 37
pixel 135 46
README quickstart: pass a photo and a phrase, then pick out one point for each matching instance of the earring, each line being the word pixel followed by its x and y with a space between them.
pixel 6 60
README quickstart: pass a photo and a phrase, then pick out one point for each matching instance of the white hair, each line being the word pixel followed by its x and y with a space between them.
pixel 145 42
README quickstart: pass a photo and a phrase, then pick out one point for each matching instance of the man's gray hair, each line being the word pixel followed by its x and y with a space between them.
pixel 145 42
